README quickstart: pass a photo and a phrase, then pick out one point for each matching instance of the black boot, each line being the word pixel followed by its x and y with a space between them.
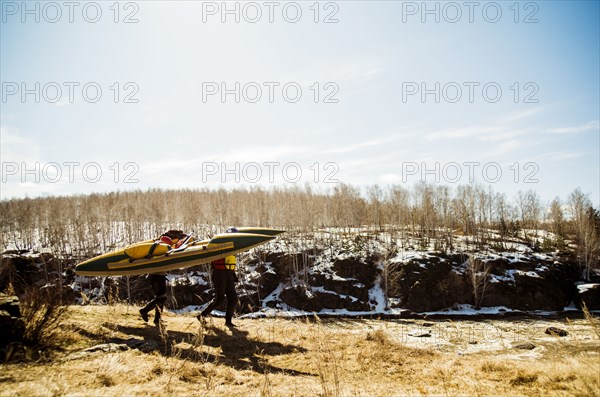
pixel 144 315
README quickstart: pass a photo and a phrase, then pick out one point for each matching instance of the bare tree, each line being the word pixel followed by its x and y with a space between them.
pixel 587 235
pixel 557 218
pixel 479 275
pixel 529 209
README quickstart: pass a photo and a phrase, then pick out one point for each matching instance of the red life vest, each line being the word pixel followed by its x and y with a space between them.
pixel 227 263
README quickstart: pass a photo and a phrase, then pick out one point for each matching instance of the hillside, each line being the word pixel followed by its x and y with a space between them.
pixel 356 272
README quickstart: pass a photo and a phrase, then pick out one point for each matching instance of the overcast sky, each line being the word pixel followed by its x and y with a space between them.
pixel 104 96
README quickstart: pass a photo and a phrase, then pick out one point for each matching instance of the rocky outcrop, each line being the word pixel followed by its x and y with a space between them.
pixel 343 285
pixel 33 270
pixel 435 282
pixel 532 285
pixel 309 299
pixel 336 280
pixel 12 327
pixel 430 282
pixel 589 294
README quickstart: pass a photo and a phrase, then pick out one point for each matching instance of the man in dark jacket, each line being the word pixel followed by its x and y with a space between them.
pixel 158 281
pixel 159 286
pixel 224 280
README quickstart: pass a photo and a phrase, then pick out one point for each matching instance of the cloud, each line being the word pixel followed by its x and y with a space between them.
pixel 589 126
pixel 372 73
pixel 364 144
pixel 17 147
pixel 262 153
pixel 345 71
pixel 559 156
pixel 244 156
pixel 391 178
pixel 504 127
pixel 480 132
pixel 463 132
pixel 517 116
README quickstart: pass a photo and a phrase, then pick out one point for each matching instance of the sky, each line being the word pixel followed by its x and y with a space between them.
pixel 105 96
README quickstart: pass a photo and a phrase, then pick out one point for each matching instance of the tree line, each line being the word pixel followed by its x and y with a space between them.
pixel 86 225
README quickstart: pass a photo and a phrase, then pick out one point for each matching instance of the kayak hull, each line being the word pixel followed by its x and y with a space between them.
pixel 118 263
pixel 260 230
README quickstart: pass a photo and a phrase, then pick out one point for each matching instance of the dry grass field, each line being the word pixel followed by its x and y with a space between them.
pixel 283 357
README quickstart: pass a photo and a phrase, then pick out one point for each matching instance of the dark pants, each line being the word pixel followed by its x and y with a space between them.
pixel 159 286
pixel 224 282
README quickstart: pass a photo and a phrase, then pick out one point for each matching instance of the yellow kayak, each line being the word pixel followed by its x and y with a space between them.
pixel 134 260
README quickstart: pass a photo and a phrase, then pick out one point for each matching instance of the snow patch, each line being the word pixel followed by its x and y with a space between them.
pixel 326 291
pixel 376 295
pixel 469 310
pixel 583 287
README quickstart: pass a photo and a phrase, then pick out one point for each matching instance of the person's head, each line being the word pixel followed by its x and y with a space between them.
pixel 231 230
pixel 175 234
pixel 166 240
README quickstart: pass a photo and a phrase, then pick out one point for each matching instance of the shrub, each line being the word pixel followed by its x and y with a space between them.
pixel 42 311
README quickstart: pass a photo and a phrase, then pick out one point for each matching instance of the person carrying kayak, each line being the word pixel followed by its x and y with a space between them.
pixel 224 280
pixel 158 281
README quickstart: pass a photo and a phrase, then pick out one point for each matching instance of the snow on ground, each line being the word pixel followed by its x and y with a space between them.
pixel 510 275
pixel 195 310
pixel 586 286
pixel 469 310
pixel 326 291
pixel 377 295
pixel 192 279
pixel 273 296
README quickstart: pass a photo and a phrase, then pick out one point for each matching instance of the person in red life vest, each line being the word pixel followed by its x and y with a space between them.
pixel 224 280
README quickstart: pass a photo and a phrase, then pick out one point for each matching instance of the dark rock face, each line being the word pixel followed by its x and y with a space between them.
pixel 539 286
pixel 266 283
pixel 299 298
pixel 37 270
pixel 40 271
pixel 285 265
pixel 350 287
pixel 347 285
pixel 430 282
pixel 12 327
pixel 302 298
pixel 498 266
pixel 184 294
pixel 435 283
pixel 591 297
pixel 256 286
pixel 362 270
pixel 10 304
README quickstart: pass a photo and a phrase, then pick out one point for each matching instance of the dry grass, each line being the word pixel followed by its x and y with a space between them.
pixel 276 357
pixel 42 313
